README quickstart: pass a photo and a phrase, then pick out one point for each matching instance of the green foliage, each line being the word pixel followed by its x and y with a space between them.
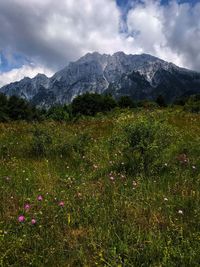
pixel 161 101
pixel 91 104
pixel 120 189
pixel 147 104
pixel 58 113
pixel 15 108
pixel 40 143
pixel 147 143
pixel 126 102
pixel 193 104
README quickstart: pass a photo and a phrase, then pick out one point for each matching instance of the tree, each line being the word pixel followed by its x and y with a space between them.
pixel 161 101
pixel 125 102
pixel 193 104
pixel 58 113
pixel 20 109
pixel 3 108
pixel 90 104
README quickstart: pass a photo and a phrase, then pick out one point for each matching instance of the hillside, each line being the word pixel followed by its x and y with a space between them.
pixel 138 76
pixel 120 189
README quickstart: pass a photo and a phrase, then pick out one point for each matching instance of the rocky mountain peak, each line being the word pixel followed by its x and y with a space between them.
pixel 139 76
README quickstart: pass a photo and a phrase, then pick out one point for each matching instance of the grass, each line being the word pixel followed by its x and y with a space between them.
pixel 130 185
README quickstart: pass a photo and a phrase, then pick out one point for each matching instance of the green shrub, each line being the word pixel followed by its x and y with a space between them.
pixel 193 104
pixel 58 113
pixel 146 143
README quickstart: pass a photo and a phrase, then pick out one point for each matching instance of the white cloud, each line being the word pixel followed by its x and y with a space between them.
pixel 171 32
pixel 18 74
pixel 52 33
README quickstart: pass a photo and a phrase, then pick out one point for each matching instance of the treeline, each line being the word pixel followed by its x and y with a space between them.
pixel 15 108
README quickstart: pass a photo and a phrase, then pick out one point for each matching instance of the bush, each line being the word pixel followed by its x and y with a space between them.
pixel 193 104
pixel 58 113
pixel 147 142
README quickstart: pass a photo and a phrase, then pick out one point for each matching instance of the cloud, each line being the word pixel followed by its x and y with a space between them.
pixel 54 34
pixel 18 74
pixel 171 32
pixel 51 33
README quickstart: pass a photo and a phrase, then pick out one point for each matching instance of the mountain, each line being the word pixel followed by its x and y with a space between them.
pixel 139 76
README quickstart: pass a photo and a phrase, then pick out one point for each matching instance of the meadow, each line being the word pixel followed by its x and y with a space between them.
pixel 116 190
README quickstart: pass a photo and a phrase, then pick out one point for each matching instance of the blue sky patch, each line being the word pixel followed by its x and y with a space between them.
pixel 125 3
pixel 10 61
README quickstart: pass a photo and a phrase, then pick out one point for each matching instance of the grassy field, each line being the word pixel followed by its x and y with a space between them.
pixel 121 189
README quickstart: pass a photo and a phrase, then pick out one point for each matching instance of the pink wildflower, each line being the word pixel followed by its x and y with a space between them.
pixel 61 204
pixel 21 218
pixel 27 207
pixel 39 198
pixel 33 221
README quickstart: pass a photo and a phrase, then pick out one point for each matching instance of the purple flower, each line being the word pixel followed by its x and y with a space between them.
pixel 33 221
pixel 21 218
pixel 27 207
pixel 40 198
pixel 61 204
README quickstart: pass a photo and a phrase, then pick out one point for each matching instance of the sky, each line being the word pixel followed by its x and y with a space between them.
pixel 44 36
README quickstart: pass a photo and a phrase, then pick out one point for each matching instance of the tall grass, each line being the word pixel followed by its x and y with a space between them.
pixel 115 190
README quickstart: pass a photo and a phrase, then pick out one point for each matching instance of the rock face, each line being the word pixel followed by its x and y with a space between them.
pixel 139 76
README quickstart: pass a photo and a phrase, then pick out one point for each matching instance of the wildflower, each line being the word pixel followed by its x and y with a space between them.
pixel 180 212
pixel 40 198
pixel 27 207
pixel 193 167
pixel 21 218
pixel 165 164
pixel 112 178
pixel 134 183
pixel 61 204
pixel 33 221
pixel 165 199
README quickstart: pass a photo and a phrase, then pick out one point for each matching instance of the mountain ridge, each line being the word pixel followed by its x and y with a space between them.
pixel 139 76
